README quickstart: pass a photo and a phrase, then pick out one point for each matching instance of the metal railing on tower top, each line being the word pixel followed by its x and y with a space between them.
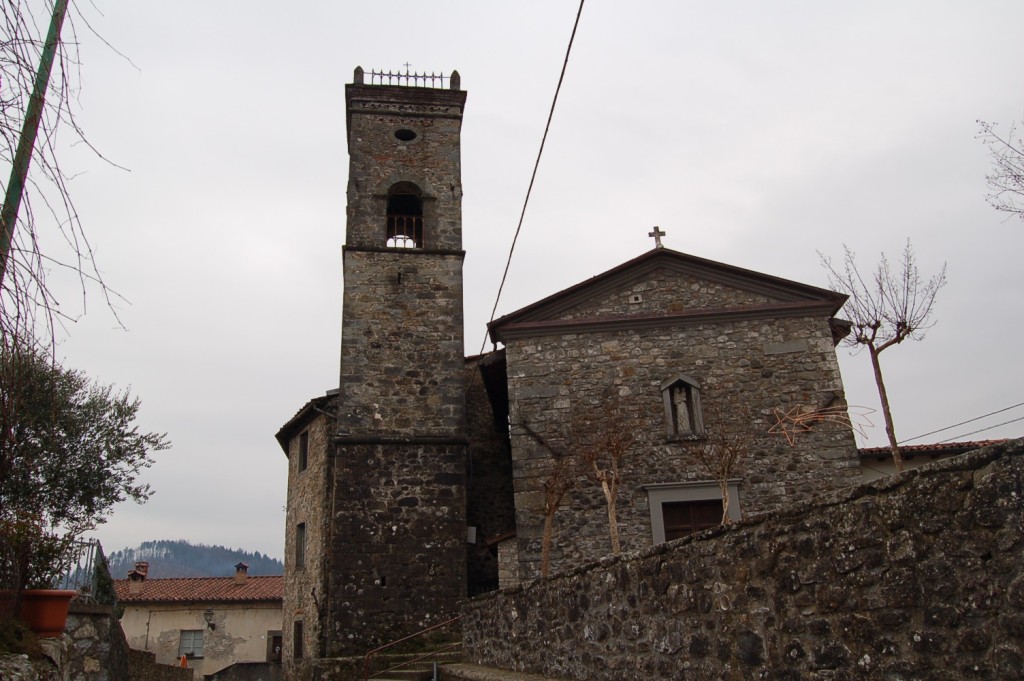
pixel 407 79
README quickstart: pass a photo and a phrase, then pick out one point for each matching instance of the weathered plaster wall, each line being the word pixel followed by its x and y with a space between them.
pixel 612 380
pixel 918 576
pixel 240 633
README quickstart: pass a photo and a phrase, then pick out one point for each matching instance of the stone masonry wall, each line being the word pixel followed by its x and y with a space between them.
pixel 378 159
pixel 308 503
pixel 398 526
pixel 489 502
pixel 144 667
pixel 402 351
pixel 746 370
pixel 99 649
pixel 665 292
pixel 916 576
pixel 398 558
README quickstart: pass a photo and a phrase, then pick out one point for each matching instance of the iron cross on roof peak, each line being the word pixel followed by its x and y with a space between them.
pixel 657 234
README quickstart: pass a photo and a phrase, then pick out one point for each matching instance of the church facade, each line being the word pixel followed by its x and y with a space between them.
pixel 684 389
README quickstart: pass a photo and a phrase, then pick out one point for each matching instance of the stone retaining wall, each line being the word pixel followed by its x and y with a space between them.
pixel 100 650
pixel 144 667
pixel 917 576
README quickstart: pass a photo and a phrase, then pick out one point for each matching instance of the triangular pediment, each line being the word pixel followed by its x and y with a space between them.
pixel 666 287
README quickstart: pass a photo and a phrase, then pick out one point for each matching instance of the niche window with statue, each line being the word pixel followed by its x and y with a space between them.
pixel 681 396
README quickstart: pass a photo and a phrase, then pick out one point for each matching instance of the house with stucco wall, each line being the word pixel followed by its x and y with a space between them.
pixel 211 622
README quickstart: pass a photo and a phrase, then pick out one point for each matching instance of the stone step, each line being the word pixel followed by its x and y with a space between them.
pixel 463 671
pixel 407 670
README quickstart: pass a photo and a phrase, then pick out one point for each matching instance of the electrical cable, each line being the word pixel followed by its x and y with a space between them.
pixel 975 432
pixel 956 425
pixel 529 189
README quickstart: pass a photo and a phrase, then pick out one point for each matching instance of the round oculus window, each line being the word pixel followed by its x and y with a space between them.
pixel 405 135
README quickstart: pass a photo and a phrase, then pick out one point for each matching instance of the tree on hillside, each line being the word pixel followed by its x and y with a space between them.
pixel 69 451
pixel 1006 181
pixel 889 308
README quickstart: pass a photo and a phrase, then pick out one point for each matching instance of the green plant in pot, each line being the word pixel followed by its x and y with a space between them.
pixel 69 451
pixel 33 558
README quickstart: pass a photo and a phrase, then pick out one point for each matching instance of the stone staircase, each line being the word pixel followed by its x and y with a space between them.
pixel 461 671
pixel 450 667
pixel 417 666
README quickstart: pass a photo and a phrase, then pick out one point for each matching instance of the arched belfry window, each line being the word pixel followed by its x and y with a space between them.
pixel 681 396
pixel 405 216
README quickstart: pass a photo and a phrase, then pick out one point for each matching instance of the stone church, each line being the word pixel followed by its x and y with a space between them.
pixel 427 476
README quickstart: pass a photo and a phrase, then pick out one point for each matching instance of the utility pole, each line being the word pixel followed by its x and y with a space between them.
pixel 22 157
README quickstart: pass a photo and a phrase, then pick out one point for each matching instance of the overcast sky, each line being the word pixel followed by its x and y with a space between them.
pixel 754 133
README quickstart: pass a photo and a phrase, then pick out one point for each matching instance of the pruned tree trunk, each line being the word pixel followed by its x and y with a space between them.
pixel 890 430
pixel 545 549
pixel 611 492
pixel 723 486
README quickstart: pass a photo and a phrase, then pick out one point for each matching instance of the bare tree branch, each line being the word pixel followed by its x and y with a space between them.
pixel 47 208
pixel 604 437
pixel 721 449
pixel 1006 181
pixel 896 306
pixel 561 477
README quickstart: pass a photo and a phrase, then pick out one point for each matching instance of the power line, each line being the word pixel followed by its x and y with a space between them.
pixel 975 432
pixel 533 176
pixel 957 425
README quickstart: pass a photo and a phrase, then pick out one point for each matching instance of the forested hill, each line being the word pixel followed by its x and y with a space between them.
pixel 179 558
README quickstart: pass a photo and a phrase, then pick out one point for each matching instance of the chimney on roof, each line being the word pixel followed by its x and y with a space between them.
pixel 241 573
pixel 137 577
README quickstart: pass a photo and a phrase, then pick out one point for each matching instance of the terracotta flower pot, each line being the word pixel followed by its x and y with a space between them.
pixel 45 611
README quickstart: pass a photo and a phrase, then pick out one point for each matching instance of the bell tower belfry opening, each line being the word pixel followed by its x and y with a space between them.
pixel 396 547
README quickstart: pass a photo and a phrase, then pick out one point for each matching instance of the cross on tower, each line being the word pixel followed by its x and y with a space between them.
pixel 407 65
pixel 657 234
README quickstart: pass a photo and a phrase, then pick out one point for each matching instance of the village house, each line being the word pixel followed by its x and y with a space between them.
pixel 424 477
pixel 212 623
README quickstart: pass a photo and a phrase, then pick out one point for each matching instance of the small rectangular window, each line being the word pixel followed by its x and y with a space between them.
pixel 297 652
pixel 275 640
pixel 190 643
pixel 303 450
pixel 300 545
pixel 683 518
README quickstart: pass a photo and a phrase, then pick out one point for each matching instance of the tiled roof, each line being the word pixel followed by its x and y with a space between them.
pixel 215 589
pixel 297 422
pixel 936 449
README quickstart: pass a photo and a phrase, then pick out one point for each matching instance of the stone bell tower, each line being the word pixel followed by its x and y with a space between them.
pixel 398 524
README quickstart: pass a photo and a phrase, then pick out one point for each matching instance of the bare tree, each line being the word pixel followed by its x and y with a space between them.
pixel 561 477
pixel 604 438
pixel 1006 181
pixel 721 449
pixel 37 120
pixel 886 310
